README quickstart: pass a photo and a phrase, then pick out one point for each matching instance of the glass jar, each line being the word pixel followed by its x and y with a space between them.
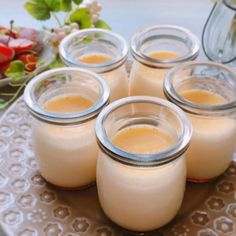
pixel 172 44
pixel 99 42
pixel 65 144
pixel 212 113
pixel 141 192
pixel 219 33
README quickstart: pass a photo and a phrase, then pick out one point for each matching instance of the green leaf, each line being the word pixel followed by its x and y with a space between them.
pixel 53 5
pixel 66 5
pixel 82 17
pixel 77 1
pixel 86 40
pixel 102 24
pixel 2 103
pixel 16 70
pixel 38 9
pixel 57 63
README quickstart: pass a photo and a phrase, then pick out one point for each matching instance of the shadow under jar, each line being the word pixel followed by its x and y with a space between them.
pixel 206 92
pixel 100 51
pixel 155 50
pixel 64 104
pixel 141 170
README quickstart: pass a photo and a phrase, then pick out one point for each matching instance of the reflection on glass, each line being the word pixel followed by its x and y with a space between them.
pixel 219 33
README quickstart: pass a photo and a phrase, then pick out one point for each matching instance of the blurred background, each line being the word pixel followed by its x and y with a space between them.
pixel 126 16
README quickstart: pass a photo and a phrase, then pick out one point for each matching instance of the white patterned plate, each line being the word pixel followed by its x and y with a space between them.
pixel 31 207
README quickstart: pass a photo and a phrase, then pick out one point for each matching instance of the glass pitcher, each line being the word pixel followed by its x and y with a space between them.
pixel 219 33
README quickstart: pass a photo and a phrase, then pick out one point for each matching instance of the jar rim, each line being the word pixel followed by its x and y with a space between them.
pixel 167 63
pixel 230 3
pixel 70 118
pixel 101 67
pixel 145 160
pixel 188 106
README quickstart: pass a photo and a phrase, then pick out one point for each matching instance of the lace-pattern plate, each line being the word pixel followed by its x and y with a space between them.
pixel 31 207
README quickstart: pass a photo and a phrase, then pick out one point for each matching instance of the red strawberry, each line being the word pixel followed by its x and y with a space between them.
pixel 21 45
pixel 4 66
pixel 29 60
pixel 6 53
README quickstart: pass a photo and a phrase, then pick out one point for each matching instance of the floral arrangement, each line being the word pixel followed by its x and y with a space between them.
pixel 21 48
pixel 79 14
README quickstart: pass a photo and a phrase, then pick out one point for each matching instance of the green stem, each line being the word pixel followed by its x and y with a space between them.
pixel 14 85
pixel 57 19
pixel 15 95
pixel 6 94
pixel 66 17
pixel 18 91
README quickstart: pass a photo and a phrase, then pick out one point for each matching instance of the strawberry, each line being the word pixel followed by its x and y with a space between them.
pixel 29 60
pixel 4 66
pixel 21 45
pixel 6 53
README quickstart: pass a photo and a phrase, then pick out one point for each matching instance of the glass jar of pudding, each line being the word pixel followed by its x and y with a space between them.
pixel 155 50
pixel 206 92
pixel 100 51
pixel 141 170
pixel 64 104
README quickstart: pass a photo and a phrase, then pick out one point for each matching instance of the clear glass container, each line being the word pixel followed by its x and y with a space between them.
pixel 65 144
pixel 148 72
pixel 212 113
pixel 89 42
pixel 219 33
pixel 141 192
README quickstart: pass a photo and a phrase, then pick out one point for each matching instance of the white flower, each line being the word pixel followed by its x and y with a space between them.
pixel 94 8
pixel 95 17
pixel 74 26
pixel 74 30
